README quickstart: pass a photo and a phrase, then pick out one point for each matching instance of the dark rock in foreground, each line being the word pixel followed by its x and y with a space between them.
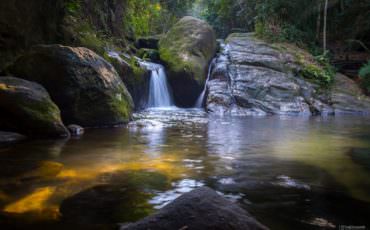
pixel 9 138
pixel 200 209
pixel 27 108
pixel 86 88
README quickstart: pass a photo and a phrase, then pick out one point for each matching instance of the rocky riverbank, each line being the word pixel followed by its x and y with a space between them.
pixel 252 77
pixel 50 87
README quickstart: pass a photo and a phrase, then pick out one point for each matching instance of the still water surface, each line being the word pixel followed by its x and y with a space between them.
pixel 289 172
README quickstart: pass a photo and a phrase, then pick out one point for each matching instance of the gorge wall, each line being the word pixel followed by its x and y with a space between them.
pixel 68 22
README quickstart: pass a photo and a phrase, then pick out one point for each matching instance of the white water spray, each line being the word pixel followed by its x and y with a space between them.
pixel 200 100
pixel 159 91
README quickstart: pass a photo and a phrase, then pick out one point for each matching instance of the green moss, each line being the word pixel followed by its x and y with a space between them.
pixel 73 6
pixel 364 74
pixel 29 109
pixel 41 111
pixel 182 53
pixel 314 68
pixel 148 54
pixel 122 105
pixel 81 30
pixel 172 60
pixel 322 73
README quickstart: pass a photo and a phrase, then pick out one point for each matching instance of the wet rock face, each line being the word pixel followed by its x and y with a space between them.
pixel 27 108
pixel 135 77
pixel 348 98
pixel 250 77
pixel 7 138
pixel 186 50
pixel 25 23
pixel 200 209
pixel 86 88
pixel 150 42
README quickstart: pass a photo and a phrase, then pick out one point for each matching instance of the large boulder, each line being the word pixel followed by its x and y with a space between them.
pixel 86 88
pixel 26 107
pixel 252 77
pixel 187 50
pixel 200 209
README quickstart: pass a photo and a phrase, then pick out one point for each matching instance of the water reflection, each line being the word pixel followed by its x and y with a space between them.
pixel 152 133
pixel 161 199
pixel 313 170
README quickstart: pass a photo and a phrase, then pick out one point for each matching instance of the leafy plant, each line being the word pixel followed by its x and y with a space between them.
pixel 365 76
pixel 73 6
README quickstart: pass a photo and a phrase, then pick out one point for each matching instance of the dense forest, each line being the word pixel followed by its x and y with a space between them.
pixel 185 114
pixel 340 27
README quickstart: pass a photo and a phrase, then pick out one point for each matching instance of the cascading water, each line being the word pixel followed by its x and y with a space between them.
pixel 159 91
pixel 200 100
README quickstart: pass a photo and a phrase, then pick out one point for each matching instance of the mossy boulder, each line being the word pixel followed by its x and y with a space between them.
pixel 86 88
pixel 26 107
pixel 187 50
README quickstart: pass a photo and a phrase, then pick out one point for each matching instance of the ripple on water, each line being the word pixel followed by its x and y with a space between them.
pixel 161 199
pixel 288 182
pixel 227 181
pixel 173 116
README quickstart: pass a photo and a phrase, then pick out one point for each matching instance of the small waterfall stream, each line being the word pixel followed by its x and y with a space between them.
pixel 160 95
pixel 200 100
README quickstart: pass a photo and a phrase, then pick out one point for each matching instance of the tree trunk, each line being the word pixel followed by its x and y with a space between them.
pixel 318 22
pixel 325 25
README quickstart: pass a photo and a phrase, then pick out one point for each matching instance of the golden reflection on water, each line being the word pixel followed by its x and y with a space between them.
pixel 331 154
pixel 34 202
pixel 70 180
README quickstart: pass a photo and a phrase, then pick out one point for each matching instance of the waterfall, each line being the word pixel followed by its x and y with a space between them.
pixel 200 100
pixel 159 91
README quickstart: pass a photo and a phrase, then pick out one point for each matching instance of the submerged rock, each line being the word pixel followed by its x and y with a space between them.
pixel 200 209
pixel 86 88
pixel 187 50
pixel 9 138
pixel 76 130
pixel 26 107
pixel 251 77
pixel 120 198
